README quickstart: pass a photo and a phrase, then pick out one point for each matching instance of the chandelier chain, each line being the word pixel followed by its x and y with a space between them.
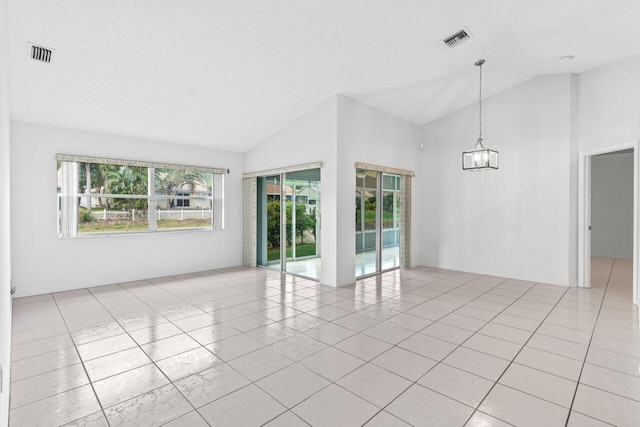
pixel 480 104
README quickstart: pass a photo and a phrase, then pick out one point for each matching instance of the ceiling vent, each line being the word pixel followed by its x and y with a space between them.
pixel 456 38
pixel 39 53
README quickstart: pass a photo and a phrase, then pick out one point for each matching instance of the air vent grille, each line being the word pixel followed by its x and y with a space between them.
pixel 456 38
pixel 40 53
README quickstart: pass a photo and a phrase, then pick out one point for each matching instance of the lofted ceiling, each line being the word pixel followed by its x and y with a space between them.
pixel 228 73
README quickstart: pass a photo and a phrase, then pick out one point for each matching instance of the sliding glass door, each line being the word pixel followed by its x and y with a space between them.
pixel 377 200
pixel 288 222
pixel 268 217
pixel 390 254
pixel 366 222
pixel 302 223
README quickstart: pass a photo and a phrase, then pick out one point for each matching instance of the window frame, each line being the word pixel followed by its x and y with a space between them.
pixel 69 197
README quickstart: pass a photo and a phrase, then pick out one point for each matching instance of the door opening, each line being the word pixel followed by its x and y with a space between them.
pixel 608 215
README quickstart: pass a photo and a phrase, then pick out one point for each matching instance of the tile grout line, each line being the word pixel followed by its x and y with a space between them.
pixel 137 345
pixel 476 409
pixel 251 382
pixel 302 333
pixel 241 333
pixel 357 292
pixel 84 368
pixel 152 361
pixel 200 345
pixel 473 334
pixel 513 361
pixel 331 382
pixel 297 362
pixel 440 361
pixel 231 367
pixel 575 393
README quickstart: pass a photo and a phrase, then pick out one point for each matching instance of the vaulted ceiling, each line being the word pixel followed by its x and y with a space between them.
pixel 228 73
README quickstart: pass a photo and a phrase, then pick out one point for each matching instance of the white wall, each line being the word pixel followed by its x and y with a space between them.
pixel 5 222
pixel 513 222
pixel 369 135
pixel 340 132
pixel 612 205
pixel 43 263
pixel 596 109
pixel 311 138
pixel 609 105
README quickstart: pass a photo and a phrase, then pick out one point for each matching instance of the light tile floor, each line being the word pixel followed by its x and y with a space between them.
pixel 249 347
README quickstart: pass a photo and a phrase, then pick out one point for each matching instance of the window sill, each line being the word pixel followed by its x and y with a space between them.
pixel 139 233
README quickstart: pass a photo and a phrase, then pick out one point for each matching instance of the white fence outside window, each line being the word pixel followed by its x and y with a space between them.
pixel 179 214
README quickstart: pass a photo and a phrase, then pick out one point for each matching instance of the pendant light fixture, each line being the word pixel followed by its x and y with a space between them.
pixel 479 158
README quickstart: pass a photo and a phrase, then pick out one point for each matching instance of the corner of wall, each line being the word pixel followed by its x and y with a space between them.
pixel 5 221
pixel 609 103
pixel 309 138
pixel 523 204
pixel 66 264
pixel 574 129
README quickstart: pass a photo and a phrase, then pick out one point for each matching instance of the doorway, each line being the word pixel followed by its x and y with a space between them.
pixel 608 212
pixel 377 200
pixel 288 222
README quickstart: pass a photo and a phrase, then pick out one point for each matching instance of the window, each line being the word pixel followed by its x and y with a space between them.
pixel 183 203
pixel 107 196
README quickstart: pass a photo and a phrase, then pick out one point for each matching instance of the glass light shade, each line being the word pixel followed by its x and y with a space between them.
pixel 479 158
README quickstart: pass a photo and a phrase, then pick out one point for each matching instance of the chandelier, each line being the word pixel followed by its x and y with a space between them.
pixel 479 157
